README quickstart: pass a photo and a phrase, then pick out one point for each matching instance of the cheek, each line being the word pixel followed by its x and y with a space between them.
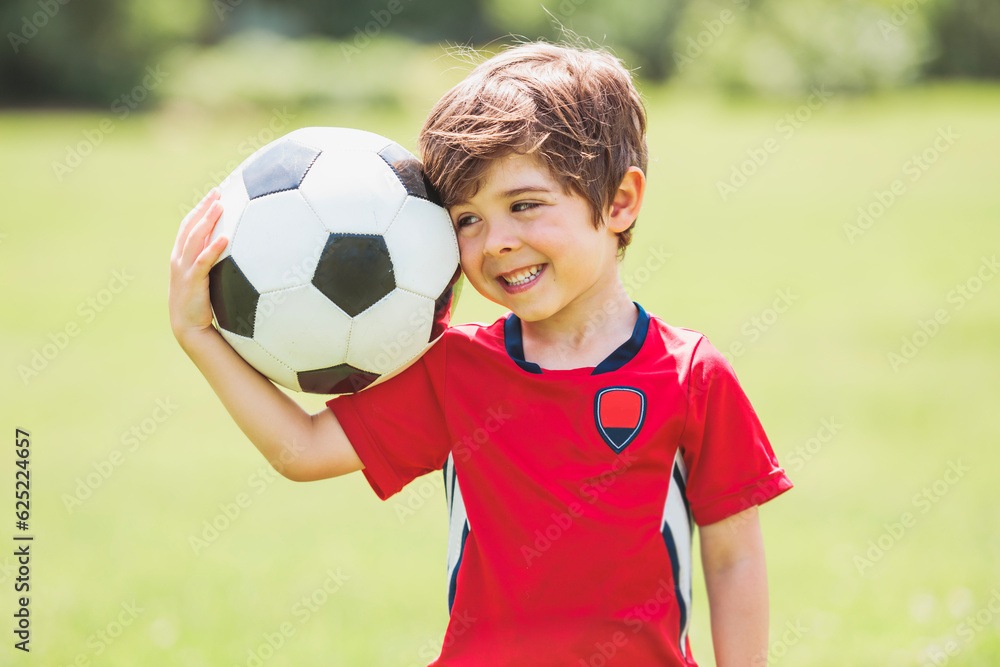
pixel 469 257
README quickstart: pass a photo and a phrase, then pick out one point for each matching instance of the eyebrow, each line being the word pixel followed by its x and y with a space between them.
pixel 520 191
pixel 509 194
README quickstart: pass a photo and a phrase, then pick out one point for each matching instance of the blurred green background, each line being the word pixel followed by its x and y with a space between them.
pixel 822 203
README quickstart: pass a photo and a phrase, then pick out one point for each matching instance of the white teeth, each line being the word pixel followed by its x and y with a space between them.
pixel 522 276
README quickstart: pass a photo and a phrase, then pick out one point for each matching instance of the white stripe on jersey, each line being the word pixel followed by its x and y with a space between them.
pixel 676 529
pixel 458 523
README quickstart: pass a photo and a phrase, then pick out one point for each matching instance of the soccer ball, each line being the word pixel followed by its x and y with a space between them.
pixel 341 266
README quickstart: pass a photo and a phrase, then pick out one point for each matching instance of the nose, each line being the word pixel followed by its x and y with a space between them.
pixel 501 236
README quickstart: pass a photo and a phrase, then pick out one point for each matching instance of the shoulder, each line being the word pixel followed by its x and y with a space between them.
pixel 691 348
pixel 472 330
pixel 672 335
pixel 471 336
pixel 681 340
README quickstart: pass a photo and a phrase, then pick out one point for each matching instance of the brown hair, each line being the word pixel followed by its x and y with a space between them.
pixel 575 109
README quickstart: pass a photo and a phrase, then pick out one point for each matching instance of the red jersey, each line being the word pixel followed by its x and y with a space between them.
pixel 572 494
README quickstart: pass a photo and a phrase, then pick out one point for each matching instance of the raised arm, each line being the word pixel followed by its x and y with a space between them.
pixel 300 446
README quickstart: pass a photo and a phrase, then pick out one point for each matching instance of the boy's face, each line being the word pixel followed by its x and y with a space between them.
pixel 530 246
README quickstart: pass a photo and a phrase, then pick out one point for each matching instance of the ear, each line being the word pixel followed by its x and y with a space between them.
pixel 625 207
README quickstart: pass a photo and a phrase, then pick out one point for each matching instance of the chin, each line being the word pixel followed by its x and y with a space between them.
pixel 533 312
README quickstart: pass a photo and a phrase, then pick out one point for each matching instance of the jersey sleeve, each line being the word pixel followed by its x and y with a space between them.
pixel 398 427
pixel 731 466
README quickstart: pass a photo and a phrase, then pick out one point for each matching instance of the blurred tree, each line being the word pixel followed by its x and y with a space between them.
pixel 94 51
pixel 87 52
pixel 779 47
pixel 642 32
pixel 422 20
pixel 967 37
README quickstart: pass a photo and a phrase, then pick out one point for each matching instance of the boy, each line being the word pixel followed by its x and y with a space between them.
pixel 579 435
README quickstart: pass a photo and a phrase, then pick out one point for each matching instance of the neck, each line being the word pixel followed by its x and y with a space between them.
pixel 583 334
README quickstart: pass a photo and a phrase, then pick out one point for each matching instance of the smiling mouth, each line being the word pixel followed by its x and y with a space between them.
pixel 520 279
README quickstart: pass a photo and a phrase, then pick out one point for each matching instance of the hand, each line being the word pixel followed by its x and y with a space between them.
pixel 190 262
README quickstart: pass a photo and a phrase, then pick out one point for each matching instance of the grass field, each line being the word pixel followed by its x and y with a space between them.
pixel 162 537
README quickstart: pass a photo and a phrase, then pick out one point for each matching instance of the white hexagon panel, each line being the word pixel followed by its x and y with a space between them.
pixel 332 191
pixel 423 248
pixel 302 327
pixel 277 256
pixel 391 333
pixel 262 360
pixel 343 138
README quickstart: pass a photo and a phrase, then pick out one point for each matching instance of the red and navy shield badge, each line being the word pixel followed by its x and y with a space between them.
pixel 619 413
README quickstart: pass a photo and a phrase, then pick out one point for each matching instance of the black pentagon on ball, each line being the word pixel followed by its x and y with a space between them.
pixel 280 167
pixel 354 271
pixel 233 298
pixel 340 379
pixel 410 172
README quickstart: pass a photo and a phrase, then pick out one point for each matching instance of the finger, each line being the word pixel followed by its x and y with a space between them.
pixel 196 239
pixel 192 218
pixel 210 255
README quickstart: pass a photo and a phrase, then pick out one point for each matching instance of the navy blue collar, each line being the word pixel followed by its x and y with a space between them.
pixel 625 352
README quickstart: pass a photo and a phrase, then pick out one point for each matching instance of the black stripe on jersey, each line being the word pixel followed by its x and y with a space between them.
pixel 675 567
pixel 682 485
pixel 515 344
pixel 453 584
pixel 449 484
pixel 627 350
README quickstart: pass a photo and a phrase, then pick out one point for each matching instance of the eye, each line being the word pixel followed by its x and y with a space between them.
pixel 466 220
pixel 524 206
